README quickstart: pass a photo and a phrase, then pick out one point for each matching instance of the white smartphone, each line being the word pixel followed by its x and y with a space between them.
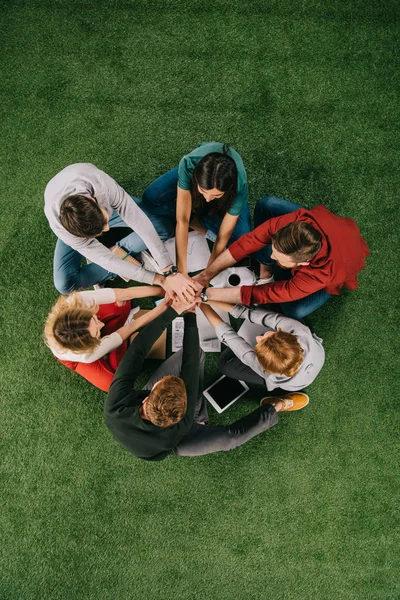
pixel 224 392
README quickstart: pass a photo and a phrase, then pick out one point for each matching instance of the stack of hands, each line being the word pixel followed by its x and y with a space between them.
pixel 184 287
pixel 183 292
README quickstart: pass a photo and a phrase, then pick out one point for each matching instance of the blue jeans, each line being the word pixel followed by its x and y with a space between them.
pixel 69 273
pixel 160 199
pixel 267 208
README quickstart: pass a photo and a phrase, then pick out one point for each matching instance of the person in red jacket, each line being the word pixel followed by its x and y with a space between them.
pixel 311 255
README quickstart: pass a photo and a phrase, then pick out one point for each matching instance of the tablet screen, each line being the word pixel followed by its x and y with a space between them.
pixel 225 390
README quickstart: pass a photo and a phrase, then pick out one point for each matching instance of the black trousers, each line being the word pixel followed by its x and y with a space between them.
pixel 232 367
pixel 201 439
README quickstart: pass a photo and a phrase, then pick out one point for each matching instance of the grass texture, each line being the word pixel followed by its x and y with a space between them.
pixel 306 91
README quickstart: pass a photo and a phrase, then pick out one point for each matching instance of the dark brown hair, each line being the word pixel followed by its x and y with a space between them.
pixel 299 240
pixel 82 216
pixel 215 170
pixel 280 353
pixel 167 402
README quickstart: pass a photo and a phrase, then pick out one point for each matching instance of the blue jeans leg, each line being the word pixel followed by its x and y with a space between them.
pixel 267 208
pixel 133 243
pixel 160 196
pixel 298 309
pixel 242 226
pixel 68 273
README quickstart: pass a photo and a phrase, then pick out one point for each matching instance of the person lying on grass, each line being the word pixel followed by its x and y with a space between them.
pixel 168 417
pixel 88 331
pixel 287 356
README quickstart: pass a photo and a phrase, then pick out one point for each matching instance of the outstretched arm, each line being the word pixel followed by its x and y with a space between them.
pixel 183 212
pixel 110 295
pixel 131 365
pixel 225 306
pixel 224 234
pixel 190 363
pixel 223 261
pixel 141 291
pixel 137 324
pixel 231 295
pixel 226 334
pixel 135 218
pixel 213 318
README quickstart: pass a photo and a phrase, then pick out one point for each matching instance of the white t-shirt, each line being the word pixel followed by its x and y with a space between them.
pixel 108 343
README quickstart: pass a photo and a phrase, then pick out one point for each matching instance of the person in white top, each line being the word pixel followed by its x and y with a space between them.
pixel 88 331
pixel 90 213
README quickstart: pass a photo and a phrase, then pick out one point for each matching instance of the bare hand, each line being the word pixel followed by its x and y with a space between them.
pixel 201 281
pixel 168 298
pixel 180 286
pixel 182 307
pixel 197 303
pixel 198 284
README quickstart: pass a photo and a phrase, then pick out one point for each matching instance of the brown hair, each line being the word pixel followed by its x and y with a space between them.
pixel 67 325
pixel 167 402
pixel 299 240
pixel 82 216
pixel 215 170
pixel 280 354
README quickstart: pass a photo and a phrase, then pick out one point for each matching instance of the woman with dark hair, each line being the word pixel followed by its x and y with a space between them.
pixel 207 192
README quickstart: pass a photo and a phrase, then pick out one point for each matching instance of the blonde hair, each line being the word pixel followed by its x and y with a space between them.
pixel 67 325
pixel 280 354
pixel 167 403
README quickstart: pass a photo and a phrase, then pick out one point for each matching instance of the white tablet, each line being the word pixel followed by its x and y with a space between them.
pixel 224 392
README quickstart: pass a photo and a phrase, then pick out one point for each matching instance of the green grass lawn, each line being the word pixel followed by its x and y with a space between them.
pixel 306 91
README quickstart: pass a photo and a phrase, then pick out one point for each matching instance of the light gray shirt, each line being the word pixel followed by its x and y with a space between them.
pixel 88 180
pixel 313 351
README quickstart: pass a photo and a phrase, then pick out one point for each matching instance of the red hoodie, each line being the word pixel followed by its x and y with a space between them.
pixel 341 257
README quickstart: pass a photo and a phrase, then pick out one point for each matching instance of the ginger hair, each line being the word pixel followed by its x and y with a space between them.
pixel 167 402
pixel 66 327
pixel 280 353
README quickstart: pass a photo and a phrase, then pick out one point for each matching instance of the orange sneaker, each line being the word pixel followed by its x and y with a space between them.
pixel 294 401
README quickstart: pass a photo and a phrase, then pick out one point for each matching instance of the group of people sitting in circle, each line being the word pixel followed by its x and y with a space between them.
pixel 305 256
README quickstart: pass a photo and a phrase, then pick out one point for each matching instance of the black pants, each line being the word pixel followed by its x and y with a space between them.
pixel 201 439
pixel 232 367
